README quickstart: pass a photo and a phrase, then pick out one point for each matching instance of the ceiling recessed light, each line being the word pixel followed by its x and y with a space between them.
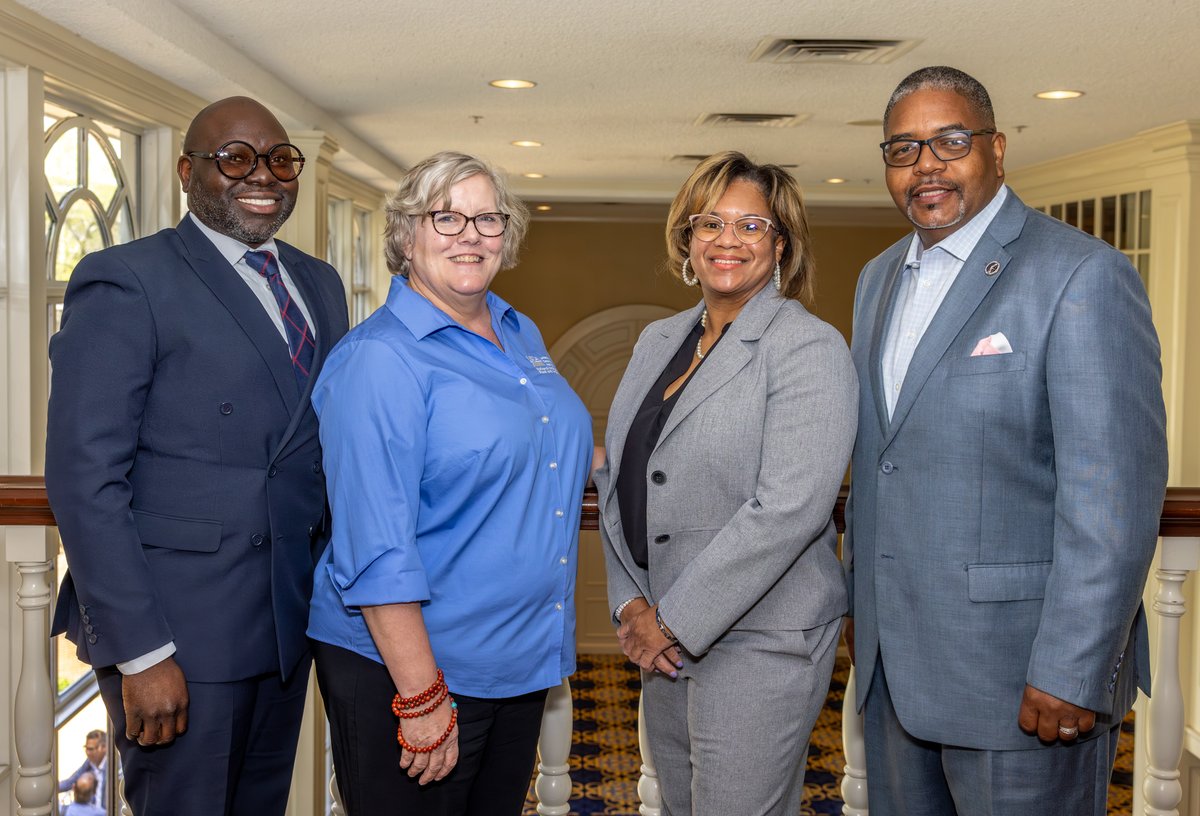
pixel 526 143
pixel 1064 94
pixel 543 208
pixel 534 175
pixel 512 84
pixel 835 180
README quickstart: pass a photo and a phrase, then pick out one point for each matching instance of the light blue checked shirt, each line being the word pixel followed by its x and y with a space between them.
pixel 927 277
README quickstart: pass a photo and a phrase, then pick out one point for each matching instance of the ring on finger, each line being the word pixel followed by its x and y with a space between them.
pixel 1068 733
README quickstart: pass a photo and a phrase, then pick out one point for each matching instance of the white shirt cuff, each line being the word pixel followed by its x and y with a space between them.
pixel 140 664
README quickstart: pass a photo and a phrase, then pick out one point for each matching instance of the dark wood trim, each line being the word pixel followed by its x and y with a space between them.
pixel 23 502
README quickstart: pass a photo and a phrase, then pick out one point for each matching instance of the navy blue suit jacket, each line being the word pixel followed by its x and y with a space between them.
pixel 182 460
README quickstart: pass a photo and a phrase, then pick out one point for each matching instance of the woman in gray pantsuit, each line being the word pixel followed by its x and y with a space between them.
pixel 727 441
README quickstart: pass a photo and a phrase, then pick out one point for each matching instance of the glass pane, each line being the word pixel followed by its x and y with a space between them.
pixel 1143 268
pixel 1072 216
pixel 360 227
pixel 102 176
pixel 1087 222
pixel 362 307
pixel 53 114
pixel 1128 239
pixel 62 165
pixel 122 229
pixel 73 756
pixel 1144 222
pixel 331 233
pixel 1056 211
pixel 50 219
pixel 1108 219
pixel 80 235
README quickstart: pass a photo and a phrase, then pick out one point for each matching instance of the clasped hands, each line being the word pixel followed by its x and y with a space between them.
pixel 644 643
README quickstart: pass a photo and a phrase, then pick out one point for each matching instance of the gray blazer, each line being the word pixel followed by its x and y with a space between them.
pixel 1002 523
pixel 742 483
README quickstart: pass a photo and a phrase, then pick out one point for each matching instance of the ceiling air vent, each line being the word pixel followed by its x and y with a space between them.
pixel 690 158
pixel 772 120
pixel 801 50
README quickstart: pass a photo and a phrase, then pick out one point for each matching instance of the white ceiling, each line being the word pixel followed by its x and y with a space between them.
pixel 621 84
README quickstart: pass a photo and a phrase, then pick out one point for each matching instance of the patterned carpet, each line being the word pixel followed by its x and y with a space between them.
pixel 604 752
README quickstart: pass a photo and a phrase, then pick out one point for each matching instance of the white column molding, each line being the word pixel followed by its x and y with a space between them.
pixel 553 784
pixel 854 782
pixel 33 712
pixel 307 228
pixel 159 193
pixel 1164 737
pixel 648 790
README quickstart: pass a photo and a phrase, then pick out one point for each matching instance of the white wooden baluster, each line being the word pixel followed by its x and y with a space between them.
pixel 33 714
pixel 336 809
pixel 648 790
pixel 126 810
pixel 553 784
pixel 854 782
pixel 1164 735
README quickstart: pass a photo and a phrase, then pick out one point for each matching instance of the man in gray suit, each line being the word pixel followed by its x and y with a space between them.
pixel 1007 482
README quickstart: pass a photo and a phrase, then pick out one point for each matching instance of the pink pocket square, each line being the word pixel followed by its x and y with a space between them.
pixel 992 344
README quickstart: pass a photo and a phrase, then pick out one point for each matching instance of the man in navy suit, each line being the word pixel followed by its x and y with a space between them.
pixel 1007 482
pixel 184 470
pixel 95 745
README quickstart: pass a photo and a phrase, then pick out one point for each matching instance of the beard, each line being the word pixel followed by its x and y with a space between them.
pixel 913 210
pixel 218 212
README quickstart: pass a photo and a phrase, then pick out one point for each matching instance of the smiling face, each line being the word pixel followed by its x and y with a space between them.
pixel 250 209
pixel 939 196
pixel 728 269
pixel 455 271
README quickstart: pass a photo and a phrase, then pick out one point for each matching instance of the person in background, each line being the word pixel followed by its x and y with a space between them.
pixel 727 442
pixel 95 745
pixel 184 470
pixel 456 456
pixel 83 794
pixel 1007 482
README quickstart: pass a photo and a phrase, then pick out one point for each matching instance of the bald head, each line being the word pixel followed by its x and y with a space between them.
pixel 250 209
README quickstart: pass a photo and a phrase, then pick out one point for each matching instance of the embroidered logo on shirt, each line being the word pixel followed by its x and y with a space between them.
pixel 543 364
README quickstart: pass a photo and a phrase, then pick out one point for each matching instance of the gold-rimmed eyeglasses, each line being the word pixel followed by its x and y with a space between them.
pixel 749 229
pixel 948 146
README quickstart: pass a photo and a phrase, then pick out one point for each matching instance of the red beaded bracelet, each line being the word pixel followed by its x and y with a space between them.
pixel 402 703
pixel 437 743
pixel 411 714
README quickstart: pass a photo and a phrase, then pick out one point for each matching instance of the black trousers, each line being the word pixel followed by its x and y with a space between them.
pixel 497 745
pixel 235 759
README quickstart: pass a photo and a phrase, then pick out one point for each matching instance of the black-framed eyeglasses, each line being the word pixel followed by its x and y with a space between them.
pixel 237 160
pixel 749 229
pixel 948 146
pixel 449 222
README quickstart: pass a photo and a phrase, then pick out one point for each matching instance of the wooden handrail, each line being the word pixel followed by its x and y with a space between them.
pixel 23 503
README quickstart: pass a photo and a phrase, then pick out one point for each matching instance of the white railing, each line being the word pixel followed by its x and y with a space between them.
pixel 30 552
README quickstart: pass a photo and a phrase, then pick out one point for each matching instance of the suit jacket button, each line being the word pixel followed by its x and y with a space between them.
pixel 92 639
pixel 271 471
pixel 887 467
pixel 658 477
pixel 82 609
pixel 316 467
pixel 662 539
pixel 89 628
pixel 226 408
pixel 257 539
pixel 86 619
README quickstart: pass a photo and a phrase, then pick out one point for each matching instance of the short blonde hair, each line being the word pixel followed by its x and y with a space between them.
pixel 426 187
pixel 708 183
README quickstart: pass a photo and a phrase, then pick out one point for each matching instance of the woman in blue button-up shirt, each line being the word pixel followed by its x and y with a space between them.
pixel 456 458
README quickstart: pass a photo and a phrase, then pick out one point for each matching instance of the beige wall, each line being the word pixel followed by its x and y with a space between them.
pixel 572 269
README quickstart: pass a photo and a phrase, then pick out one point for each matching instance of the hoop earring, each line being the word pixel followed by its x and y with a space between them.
pixel 778 278
pixel 683 273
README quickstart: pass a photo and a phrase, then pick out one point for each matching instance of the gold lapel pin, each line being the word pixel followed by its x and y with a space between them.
pixel 992 268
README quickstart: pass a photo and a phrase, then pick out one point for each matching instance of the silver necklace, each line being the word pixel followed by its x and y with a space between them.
pixel 700 342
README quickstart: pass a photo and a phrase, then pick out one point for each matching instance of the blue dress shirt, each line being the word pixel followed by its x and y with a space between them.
pixel 455 473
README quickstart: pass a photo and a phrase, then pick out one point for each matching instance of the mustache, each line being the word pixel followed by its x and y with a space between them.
pixel 910 194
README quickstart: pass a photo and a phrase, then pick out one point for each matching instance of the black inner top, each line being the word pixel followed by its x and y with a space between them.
pixel 642 438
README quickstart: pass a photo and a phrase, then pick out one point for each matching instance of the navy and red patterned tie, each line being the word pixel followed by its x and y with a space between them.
pixel 299 338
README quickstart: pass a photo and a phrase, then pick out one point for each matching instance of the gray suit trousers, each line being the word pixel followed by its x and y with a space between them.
pixel 731 734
